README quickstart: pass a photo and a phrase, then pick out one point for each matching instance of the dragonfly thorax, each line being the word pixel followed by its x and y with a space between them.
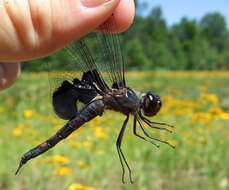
pixel 122 100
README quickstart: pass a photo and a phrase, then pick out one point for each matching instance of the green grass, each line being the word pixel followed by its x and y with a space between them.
pixel 197 103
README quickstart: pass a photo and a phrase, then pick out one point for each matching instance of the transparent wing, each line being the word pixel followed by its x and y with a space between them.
pixel 111 59
pixel 97 52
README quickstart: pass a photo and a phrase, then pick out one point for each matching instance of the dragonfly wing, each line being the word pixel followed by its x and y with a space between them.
pixel 101 52
pixel 112 58
pixel 66 97
pixel 97 59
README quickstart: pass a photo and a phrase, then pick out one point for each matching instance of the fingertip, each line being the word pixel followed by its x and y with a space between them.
pixel 9 73
pixel 124 15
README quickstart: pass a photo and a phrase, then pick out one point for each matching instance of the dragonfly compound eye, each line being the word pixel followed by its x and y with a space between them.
pixel 151 104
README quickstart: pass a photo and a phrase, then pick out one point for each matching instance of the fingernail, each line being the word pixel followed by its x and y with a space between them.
pixel 2 76
pixel 94 3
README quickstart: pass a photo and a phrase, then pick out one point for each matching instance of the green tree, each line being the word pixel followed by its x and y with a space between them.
pixel 176 48
pixel 135 58
pixel 187 33
pixel 214 29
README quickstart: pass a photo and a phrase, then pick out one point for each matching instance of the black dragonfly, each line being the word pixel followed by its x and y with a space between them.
pixel 102 87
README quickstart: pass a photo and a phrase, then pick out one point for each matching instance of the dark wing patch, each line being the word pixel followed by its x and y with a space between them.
pixel 64 101
pixel 65 98
pixel 95 80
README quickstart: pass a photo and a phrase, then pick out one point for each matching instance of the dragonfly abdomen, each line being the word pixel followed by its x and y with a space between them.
pixel 86 114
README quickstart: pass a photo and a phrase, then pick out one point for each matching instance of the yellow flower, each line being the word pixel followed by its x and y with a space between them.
pixel 215 110
pixel 203 140
pixel 77 186
pixel 58 159
pixel 75 144
pixel 100 152
pixel 202 88
pixel 100 132
pixel 95 121
pixel 186 134
pixel 201 116
pixel 35 143
pixel 16 132
pixel 88 144
pixel 63 171
pixel 212 98
pixel 191 142
pixel 57 127
pixel 1 109
pixel 224 115
pixel 173 142
pixel 183 111
pixel 82 164
pixel 28 113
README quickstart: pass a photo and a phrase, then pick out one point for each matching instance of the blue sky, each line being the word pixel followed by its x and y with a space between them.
pixel 174 10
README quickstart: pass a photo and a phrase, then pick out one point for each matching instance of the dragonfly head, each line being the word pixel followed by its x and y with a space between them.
pixel 150 104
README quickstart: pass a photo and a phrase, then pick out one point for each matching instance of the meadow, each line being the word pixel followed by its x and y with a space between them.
pixel 197 103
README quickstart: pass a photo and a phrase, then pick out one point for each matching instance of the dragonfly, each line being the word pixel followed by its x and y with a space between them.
pixel 102 87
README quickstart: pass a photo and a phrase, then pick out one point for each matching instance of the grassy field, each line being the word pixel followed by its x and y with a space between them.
pixel 197 103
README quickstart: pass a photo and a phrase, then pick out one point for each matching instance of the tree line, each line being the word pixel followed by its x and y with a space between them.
pixel 151 44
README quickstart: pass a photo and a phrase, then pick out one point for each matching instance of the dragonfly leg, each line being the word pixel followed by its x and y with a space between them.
pixel 156 123
pixel 120 153
pixel 150 124
pixel 135 133
pixel 147 134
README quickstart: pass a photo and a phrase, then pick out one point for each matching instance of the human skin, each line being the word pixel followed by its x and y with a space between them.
pixel 30 29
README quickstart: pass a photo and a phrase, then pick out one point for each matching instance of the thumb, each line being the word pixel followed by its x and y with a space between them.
pixel 31 29
pixel 8 74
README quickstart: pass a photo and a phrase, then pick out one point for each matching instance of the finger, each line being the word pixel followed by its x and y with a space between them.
pixel 9 73
pixel 35 28
pixel 124 15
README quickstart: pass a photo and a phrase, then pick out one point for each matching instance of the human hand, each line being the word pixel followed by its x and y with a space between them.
pixel 35 28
